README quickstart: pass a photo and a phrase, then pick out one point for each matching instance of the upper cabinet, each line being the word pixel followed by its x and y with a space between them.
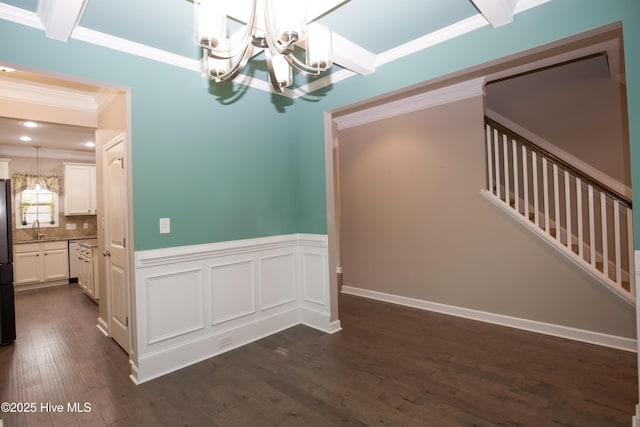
pixel 80 189
pixel 4 169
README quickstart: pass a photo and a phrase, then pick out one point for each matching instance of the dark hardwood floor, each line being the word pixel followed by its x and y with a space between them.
pixel 389 366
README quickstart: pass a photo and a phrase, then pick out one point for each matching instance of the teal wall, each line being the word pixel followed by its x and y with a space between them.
pixel 220 172
pixel 544 24
pixel 256 167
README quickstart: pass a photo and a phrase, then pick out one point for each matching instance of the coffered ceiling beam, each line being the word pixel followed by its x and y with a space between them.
pixel 352 56
pixel 60 17
pixel 497 12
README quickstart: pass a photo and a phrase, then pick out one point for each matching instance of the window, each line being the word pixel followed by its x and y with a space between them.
pixel 41 205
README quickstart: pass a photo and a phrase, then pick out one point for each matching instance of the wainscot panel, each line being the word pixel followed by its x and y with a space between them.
pixel 195 302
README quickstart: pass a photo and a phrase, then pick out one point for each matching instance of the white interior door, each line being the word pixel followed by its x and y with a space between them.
pixel 115 236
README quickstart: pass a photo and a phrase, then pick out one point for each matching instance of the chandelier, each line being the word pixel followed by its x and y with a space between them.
pixel 272 26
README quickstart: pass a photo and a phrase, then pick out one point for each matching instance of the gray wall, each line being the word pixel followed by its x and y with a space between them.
pixel 575 107
pixel 414 224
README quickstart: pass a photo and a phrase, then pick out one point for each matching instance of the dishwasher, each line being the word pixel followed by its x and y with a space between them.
pixel 74 262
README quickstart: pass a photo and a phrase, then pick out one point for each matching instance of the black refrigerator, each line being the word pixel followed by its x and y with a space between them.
pixel 7 308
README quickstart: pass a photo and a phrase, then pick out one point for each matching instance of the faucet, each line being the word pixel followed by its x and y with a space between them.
pixel 36 227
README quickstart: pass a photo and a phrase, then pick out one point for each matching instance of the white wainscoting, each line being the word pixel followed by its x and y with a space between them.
pixel 194 302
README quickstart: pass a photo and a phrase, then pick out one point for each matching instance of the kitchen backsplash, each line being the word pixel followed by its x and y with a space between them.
pixel 61 232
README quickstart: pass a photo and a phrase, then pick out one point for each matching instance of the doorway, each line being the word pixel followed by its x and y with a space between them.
pixel 448 294
pixel 74 103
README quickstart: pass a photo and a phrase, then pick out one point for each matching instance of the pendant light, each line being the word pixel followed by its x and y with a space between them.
pixel 37 147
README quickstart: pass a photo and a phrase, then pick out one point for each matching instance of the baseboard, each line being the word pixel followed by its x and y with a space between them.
pixel 32 286
pixel 103 327
pixel 162 362
pixel 597 338
pixel 134 373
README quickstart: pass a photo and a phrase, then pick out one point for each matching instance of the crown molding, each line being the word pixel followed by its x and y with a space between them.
pixel 447 33
pixel 411 104
pixel 431 39
pixel 46 95
pixel 528 4
pixel 46 153
pixel 137 49
pixel 322 82
pixel 20 16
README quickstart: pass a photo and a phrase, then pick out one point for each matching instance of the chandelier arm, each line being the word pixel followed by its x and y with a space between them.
pixel 278 45
pixel 272 74
pixel 238 66
pixel 301 66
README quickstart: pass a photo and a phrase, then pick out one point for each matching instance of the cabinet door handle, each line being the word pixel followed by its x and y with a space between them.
pixel 106 253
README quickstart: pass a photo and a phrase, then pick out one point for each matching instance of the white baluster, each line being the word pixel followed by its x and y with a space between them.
pixel 534 169
pixel 525 182
pixel 505 157
pixel 616 237
pixel 516 181
pixel 497 157
pixel 605 241
pixel 592 227
pixel 579 214
pixel 489 159
pixel 567 208
pixel 556 200
pixel 632 269
pixel 545 184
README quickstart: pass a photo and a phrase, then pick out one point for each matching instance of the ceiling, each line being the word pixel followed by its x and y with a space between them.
pixel 364 38
pixel 367 34
pixel 49 136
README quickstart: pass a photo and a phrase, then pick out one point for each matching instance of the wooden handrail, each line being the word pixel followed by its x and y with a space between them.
pixel 614 194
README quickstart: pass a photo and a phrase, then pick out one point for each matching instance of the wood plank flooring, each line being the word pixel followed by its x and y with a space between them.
pixel 389 366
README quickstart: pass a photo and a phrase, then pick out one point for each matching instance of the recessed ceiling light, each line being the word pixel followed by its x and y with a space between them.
pixel 90 144
pixel 4 69
pixel 30 124
pixel 25 138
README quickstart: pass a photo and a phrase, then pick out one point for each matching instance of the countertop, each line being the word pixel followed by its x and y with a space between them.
pixel 53 239
pixel 93 243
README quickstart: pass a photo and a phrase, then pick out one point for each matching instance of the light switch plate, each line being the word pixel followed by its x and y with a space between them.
pixel 71 226
pixel 165 225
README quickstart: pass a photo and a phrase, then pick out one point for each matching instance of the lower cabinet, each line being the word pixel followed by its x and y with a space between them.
pixel 88 271
pixel 40 262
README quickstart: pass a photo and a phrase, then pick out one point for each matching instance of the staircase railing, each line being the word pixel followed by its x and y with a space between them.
pixel 588 221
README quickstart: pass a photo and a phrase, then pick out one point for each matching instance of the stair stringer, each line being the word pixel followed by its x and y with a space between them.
pixel 586 267
pixel 586 248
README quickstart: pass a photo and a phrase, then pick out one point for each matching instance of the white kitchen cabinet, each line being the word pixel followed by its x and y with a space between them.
pixel 88 269
pixel 4 169
pixel 80 189
pixel 41 262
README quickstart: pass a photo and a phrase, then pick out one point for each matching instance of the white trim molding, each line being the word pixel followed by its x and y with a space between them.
pixel 195 302
pixel 423 101
pixel 47 95
pixel 591 337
